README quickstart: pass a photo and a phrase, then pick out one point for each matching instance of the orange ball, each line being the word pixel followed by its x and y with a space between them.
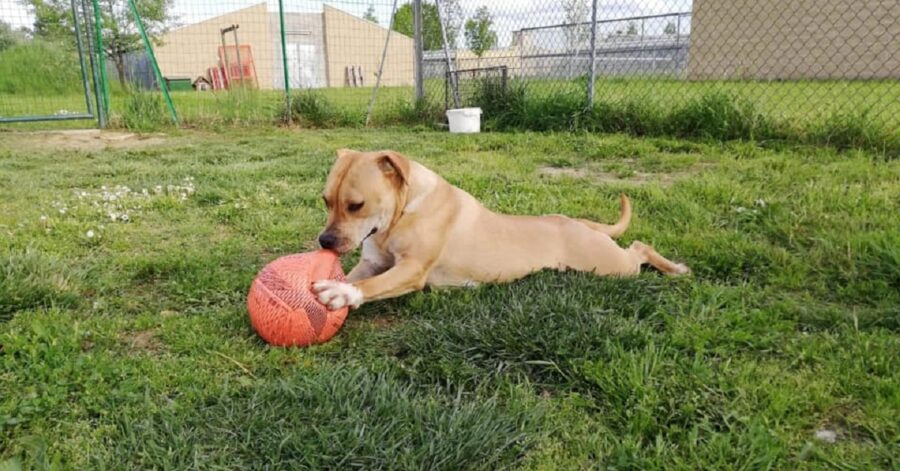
pixel 284 310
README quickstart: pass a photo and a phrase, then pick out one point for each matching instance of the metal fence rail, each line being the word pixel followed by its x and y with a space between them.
pixel 237 61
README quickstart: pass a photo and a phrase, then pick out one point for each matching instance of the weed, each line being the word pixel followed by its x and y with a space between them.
pixel 143 111
pixel 312 108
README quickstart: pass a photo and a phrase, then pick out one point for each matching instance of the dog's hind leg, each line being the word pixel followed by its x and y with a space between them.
pixel 643 253
pixel 593 251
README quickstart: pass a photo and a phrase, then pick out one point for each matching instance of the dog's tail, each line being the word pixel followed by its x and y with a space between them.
pixel 617 229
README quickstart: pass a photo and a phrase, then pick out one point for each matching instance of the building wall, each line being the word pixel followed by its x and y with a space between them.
pixel 352 41
pixel 510 57
pixel 796 39
pixel 190 50
pixel 306 68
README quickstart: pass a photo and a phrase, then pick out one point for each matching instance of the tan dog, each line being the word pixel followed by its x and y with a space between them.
pixel 416 229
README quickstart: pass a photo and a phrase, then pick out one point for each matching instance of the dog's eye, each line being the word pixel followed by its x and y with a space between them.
pixel 354 207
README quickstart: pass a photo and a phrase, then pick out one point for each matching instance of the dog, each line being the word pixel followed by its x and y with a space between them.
pixel 416 229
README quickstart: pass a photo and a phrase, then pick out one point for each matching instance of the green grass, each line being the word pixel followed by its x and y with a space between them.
pixel 129 346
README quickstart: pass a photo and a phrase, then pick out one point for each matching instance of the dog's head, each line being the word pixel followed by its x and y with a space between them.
pixel 363 193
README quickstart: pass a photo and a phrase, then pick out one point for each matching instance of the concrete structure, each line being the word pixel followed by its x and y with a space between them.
pixel 190 50
pixel 352 41
pixel 795 40
pixel 531 55
pixel 320 46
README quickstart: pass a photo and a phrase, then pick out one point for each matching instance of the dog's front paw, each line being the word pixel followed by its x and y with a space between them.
pixel 337 294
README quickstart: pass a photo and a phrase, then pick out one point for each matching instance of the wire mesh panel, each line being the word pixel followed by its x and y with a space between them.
pixel 792 64
pixel 789 60
pixel 803 61
pixel 217 59
pixel 542 44
pixel 45 66
pixel 364 44
pixel 470 86
pixel 229 61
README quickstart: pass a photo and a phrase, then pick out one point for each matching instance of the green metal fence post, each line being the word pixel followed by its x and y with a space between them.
pixel 284 64
pixel 92 59
pixel 149 48
pixel 103 89
pixel 82 65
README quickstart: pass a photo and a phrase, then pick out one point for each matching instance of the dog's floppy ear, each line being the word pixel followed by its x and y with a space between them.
pixel 394 165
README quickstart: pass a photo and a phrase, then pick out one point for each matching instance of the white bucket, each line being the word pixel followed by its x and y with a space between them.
pixel 465 120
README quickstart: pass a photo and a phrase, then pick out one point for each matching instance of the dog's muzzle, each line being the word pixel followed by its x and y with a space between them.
pixel 328 240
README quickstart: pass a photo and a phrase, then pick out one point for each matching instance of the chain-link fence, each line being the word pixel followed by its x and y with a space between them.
pixel 243 61
pixel 801 60
pixel 47 69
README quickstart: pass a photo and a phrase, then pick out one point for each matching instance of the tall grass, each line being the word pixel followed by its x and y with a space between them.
pixel 244 107
pixel 143 111
pixel 313 109
pixel 38 68
pixel 716 114
pixel 847 130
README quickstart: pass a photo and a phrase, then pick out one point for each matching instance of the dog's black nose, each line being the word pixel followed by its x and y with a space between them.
pixel 327 240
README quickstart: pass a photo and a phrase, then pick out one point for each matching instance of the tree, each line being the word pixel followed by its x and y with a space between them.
pixel 431 25
pixel 632 29
pixel 53 21
pixel 9 37
pixel 479 35
pixel 370 14
pixel 670 29
pixel 577 32
pixel 452 15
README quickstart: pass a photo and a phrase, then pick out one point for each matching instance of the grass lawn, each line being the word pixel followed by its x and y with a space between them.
pixel 124 341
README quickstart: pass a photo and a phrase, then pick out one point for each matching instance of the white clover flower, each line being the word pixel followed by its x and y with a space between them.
pixel 43 217
pixel 89 234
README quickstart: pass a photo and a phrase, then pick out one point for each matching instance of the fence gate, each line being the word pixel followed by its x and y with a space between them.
pixel 70 85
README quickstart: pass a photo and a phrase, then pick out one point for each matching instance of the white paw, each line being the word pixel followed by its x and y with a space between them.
pixel 680 269
pixel 337 294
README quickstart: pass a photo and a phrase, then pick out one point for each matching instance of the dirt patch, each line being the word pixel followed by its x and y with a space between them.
pixel 383 322
pixel 636 178
pixel 564 172
pixel 84 139
pixel 142 340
